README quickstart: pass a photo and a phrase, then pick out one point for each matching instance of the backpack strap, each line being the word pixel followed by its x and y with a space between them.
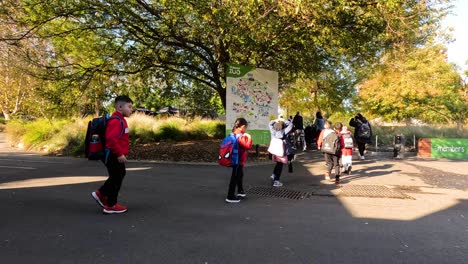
pixel 235 148
pixel 122 131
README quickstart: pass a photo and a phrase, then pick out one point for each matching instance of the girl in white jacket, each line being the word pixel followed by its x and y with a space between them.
pixel 279 130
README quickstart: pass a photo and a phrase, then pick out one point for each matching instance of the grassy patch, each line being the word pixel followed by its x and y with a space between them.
pixel 70 140
pixel 205 129
pixel 171 132
pixel 67 136
pixel 15 129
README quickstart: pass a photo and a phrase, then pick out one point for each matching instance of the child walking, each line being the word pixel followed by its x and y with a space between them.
pixel 362 133
pixel 347 150
pixel 332 160
pixel 245 143
pixel 281 151
pixel 117 144
pixel 327 129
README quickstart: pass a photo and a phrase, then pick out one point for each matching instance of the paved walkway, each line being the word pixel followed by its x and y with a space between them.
pixel 388 211
pixel 421 186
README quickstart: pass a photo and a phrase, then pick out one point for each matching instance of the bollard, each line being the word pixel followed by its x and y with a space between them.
pixel 398 146
pixel 376 143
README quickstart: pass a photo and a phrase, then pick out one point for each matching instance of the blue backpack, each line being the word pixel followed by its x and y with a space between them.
pixel 229 151
pixel 95 144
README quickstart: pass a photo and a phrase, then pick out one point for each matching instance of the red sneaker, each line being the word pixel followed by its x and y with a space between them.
pixel 100 199
pixel 116 209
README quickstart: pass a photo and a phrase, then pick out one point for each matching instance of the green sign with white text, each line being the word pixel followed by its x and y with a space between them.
pixel 238 71
pixel 452 148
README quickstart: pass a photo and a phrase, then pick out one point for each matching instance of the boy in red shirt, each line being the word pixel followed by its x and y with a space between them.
pixel 117 143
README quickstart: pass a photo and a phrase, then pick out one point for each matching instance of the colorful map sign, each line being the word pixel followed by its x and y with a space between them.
pixel 252 93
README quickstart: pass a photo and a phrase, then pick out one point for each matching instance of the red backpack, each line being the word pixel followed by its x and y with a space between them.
pixel 229 151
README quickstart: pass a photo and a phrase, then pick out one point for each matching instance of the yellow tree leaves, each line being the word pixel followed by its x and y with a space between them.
pixel 416 83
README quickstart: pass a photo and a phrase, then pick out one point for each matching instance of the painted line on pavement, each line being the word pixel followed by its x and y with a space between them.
pixel 37 161
pixel 14 167
pixel 52 181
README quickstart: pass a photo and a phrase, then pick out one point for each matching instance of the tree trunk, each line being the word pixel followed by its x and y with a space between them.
pixel 96 108
pixel 6 114
pixel 460 123
pixel 222 93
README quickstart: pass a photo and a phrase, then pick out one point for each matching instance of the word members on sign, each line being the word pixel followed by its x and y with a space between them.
pixel 454 149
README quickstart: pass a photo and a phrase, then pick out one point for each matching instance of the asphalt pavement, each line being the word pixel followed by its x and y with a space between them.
pixel 387 211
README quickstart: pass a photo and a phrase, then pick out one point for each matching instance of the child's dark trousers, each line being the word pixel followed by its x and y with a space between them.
pixel 277 170
pixel 112 185
pixel 236 180
pixel 333 161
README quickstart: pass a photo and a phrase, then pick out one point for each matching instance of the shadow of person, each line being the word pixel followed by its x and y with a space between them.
pixel 373 171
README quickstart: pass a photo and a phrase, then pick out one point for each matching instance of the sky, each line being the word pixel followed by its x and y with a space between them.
pixel 458 50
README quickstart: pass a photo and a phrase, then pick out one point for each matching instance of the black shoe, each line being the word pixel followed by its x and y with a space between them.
pixel 349 170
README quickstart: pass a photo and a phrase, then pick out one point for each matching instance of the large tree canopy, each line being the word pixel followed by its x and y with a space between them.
pixel 95 45
pixel 419 83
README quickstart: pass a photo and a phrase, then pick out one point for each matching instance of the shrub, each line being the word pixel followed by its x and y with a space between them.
pixel 70 140
pixel 172 132
pixel 42 131
pixel 139 120
pixel 30 134
pixel 220 130
pixel 204 129
pixel 145 129
pixel 142 135
pixel 15 129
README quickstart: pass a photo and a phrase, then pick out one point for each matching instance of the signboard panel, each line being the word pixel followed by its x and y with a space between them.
pixel 251 93
pixel 453 148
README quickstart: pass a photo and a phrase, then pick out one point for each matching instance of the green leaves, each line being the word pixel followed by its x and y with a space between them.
pixel 416 83
pixel 94 47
